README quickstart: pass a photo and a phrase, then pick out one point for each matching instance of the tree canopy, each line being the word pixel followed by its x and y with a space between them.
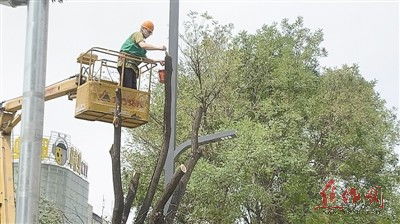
pixel 298 126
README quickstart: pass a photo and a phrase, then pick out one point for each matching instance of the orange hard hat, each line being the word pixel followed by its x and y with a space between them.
pixel 148 25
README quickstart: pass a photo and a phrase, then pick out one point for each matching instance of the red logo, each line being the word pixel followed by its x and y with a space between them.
pixel 372 196
pixel 328 196
pixel 349 196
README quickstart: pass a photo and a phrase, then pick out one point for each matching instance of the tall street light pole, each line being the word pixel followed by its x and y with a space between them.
pixel 28 189
pixel 173 50
pixel 173 152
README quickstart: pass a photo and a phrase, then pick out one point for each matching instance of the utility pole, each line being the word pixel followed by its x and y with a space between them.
pixel 28 189
pixel 173 50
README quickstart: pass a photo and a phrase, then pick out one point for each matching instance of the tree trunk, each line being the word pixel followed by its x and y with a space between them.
pixel 190 164
pixel 144 209
pixel 115 153
pixel 157 214
pixel 133 185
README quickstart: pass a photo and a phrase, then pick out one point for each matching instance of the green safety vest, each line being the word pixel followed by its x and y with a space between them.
pixel 131 45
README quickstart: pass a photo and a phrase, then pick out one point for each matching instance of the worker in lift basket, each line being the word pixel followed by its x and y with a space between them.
pixel 136 46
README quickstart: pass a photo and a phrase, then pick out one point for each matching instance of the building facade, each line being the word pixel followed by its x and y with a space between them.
pixel 63 177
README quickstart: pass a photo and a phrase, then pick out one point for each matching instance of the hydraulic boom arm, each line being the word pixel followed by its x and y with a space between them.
pixel 8 120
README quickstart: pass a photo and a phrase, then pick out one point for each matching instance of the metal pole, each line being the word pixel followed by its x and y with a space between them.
pixel 173 50
pixel 32 112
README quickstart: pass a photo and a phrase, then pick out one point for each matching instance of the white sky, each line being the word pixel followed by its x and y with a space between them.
pixel 362 32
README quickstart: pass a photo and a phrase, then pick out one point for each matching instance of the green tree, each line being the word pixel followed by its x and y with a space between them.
pixel 298 125
pixel 48 212
pixel 351 138
pixel 206 65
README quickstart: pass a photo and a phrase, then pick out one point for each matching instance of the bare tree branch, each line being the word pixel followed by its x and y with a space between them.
pixel 133 185
pixel 190 164
pixel 115 153
pixel 141 216
pixel 157 216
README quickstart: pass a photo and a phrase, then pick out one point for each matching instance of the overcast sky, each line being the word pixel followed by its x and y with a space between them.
pixel 362 32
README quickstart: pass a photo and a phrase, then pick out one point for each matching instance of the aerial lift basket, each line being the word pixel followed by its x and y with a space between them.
pixel 95 99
